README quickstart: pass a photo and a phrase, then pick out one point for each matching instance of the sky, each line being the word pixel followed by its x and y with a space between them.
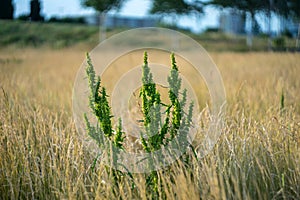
pixel 138 8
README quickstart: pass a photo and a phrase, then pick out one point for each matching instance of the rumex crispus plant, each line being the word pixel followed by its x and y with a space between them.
pixel 160 131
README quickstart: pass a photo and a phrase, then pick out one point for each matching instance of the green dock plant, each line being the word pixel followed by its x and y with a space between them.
pixel 103 132
pixel 159 131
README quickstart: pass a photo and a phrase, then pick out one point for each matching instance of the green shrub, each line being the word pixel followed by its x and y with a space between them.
pixel 279 42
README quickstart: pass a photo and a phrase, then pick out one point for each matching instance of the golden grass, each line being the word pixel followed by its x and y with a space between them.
pixel 42 157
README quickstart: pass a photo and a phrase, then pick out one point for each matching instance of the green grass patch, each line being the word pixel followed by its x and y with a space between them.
pixel 54 35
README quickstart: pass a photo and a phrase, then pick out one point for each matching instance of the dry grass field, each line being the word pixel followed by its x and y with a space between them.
pixel 256 157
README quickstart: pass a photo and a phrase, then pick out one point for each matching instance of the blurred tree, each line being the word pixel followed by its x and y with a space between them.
pixel 288 9
pixel 249 6
pixel 284 8
pixel 294 12
pixel 269 6
pixel 103 6
pixel 279 7
pixel 294 8
pixel 6 9
pixel 178 7
pixel 35 9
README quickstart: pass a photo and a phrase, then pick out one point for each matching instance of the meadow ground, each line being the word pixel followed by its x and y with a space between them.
pixel 256 157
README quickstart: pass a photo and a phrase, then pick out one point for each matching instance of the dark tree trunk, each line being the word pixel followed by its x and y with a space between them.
pixel 250 33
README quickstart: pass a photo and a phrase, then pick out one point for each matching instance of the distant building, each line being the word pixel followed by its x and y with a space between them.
pixel 232 22
pixel 130 22
pixel 114 21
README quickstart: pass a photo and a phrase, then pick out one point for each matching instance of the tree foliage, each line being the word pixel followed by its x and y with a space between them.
pixel 35 9
pixel 286 8
pixel 179 7
pixel 294 8
pixel 251 6
pixel 103 5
